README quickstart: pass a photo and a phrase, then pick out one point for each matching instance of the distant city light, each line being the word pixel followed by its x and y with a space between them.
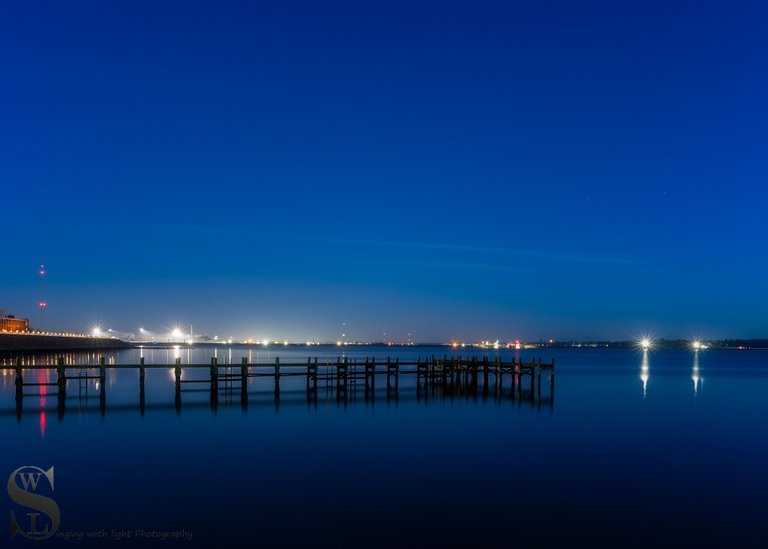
pixel 96 331
pixel 645 343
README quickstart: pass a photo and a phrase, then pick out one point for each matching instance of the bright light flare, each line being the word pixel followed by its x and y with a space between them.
pixel 698 345
pixel 646 343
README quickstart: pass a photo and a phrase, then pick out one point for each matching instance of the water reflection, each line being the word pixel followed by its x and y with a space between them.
pixel 695 375
pixel 645 371
pixel 9 360
pixel 41 379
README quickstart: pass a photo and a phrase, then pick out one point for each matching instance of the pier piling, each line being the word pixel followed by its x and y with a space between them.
pixel 277 374
pixel 142 377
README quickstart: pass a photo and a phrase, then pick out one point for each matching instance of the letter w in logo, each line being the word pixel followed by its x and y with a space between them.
pixel 29 479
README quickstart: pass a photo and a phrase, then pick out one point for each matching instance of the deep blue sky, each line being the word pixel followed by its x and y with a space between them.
pixel 469 170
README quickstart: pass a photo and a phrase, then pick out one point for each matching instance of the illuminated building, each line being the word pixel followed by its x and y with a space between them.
pixel 9 323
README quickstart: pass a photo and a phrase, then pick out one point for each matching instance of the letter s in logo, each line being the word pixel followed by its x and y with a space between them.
pixel 23 485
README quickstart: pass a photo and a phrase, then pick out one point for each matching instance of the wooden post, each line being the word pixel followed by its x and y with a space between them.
pixel 431 366
pixel 459 364
pixel 102 371
pixel 338 375
pixel 373 376
pixel 476 373
pixel 277 374
pixel 512 371
pixel 142 374
pixel 397 374
pixel 445 362
pixel 389 371
pixel 19 377
pixel 177 395
pixel 244 383
pixel 552 381
pixel 102 387
pixel 61 383
pixel 538 380
pixel 418 375
pixel 345 375
pixel 214 372
pixel 366 379
pixel 61 375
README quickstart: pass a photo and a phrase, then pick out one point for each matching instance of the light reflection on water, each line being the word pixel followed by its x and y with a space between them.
pixel 645 371
pixel 695 375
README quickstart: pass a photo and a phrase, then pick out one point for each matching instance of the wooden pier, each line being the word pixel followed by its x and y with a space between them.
pixel 342 378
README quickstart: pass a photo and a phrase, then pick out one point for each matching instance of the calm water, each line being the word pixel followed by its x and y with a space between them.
pixel 667 447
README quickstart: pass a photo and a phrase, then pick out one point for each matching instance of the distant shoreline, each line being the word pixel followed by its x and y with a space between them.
pixel 10 342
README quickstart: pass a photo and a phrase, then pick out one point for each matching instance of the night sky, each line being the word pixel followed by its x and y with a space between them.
pixel 472 170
